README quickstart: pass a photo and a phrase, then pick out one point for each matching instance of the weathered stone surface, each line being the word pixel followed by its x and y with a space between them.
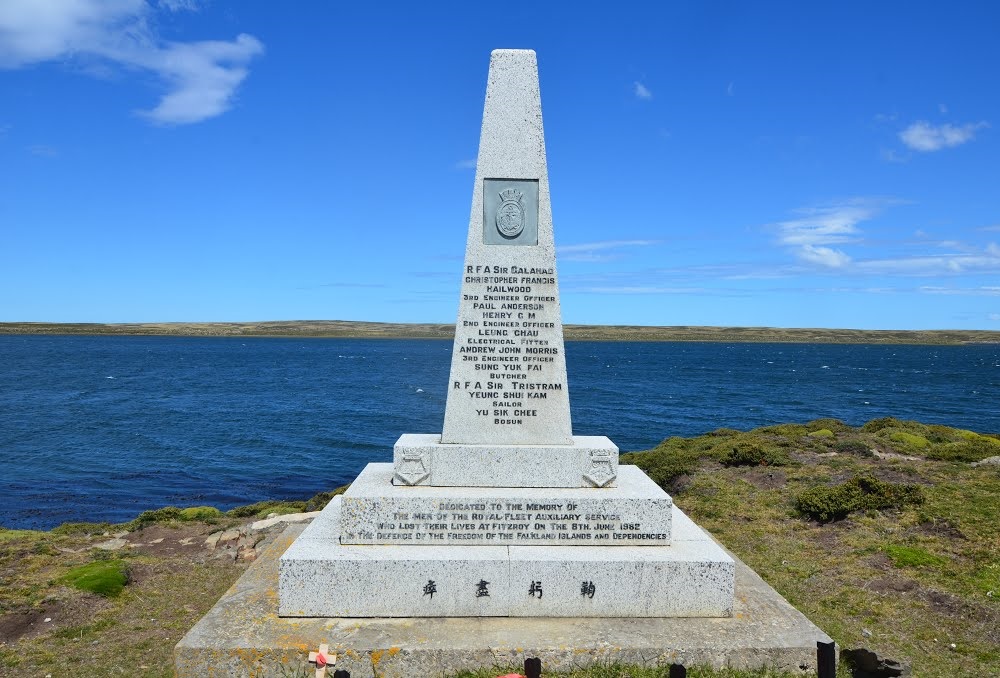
pixel 319 576
pixel 508 371
pixel 242 635
pixel 422 459
pixel 635 512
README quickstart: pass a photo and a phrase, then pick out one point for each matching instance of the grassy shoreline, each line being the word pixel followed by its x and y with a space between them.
pixel 372 330
pixel 882 534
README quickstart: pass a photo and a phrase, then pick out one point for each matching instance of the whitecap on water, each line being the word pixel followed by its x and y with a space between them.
pixel 420 390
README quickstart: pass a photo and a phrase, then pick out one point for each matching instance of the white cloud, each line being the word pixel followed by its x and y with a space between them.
pixel 818 227
pixel 995 227
pixel 994 316
pixel 824 256
pixel 201 77
pixel 466 164
pixel 729 88
pixel 943 108
pixel 641 91
pixel 923 136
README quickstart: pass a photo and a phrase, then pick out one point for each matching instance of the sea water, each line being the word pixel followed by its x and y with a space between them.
pixel 100 428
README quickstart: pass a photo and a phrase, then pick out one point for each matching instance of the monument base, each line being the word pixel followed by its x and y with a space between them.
pixel 243 636
pixel 320 577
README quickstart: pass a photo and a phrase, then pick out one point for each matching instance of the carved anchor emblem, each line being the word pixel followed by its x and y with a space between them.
pixel 600 473
pixel 413 468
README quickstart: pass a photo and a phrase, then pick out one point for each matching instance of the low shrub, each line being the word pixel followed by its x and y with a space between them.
pixel 319 502
pixel 968 450
pixel 662 464
pixel 863 492
pixel 822 433
pixel 746 453
pixel 853 446
pixel 876 425
pixel 202 513
pixel 909 439
pixel 262 508
pixel 103 577
pixel 161 515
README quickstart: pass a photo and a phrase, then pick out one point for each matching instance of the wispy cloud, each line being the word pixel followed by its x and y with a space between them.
pixel 201 77
pixel 925 137
pixel 994 316
pixel 641 91
pixel 599 251
pixel 983 260
pixel 466 164
pixel 810 235
pixel 730 88
pixel 984 291
pixel 995 227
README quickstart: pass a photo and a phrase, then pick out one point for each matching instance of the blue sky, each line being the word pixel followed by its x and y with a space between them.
pixel 831 164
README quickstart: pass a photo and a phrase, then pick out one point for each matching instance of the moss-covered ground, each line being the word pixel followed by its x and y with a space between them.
pixel 884 535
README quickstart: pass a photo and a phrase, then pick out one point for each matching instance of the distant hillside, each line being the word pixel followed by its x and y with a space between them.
pixel 345 328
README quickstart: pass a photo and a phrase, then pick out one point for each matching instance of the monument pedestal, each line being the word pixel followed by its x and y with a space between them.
pixel 243 635
pixel 321 576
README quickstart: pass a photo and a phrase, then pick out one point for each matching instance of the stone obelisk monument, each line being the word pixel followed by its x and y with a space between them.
pixel 505 512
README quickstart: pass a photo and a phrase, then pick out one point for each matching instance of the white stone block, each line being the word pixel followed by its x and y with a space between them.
pixel 422 459
pixel 634 512
pixel 319 577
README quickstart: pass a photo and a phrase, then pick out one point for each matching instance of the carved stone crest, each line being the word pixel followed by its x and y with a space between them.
pixel 600 472
pixel 510 213
pixel 414 467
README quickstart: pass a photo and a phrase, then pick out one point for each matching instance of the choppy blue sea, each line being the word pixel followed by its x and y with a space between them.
pixel 101 428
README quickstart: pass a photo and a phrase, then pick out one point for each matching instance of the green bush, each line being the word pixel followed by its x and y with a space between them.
pixel 262 508
pixel 863 492
pixel 319 502
pixel 103 577
pixel 909 439
pixel 968 450
pixel 746 453
pixel 822 433
pixel 853 446
pixel 876 425
pixel 161 515
pixel 202 513
pixel 663 464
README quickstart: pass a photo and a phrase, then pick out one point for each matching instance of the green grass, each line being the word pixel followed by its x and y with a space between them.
pixel 103 577
pixel 912 556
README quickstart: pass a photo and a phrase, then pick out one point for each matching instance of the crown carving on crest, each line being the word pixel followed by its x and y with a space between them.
pixel 511 195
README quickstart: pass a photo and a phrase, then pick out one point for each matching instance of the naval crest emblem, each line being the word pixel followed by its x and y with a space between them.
pixel 510 213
